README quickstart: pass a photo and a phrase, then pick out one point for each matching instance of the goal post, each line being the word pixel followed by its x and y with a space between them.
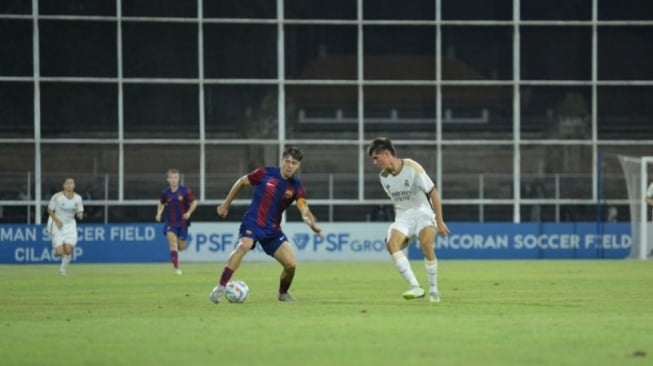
pixel 636 173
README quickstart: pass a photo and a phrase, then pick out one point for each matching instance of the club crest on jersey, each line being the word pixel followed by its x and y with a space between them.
pixel 180 198
pixel 288 193
pixel 406 183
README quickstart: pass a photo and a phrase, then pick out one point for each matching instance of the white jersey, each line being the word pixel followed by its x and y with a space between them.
pixel 409 188
pixel 66 208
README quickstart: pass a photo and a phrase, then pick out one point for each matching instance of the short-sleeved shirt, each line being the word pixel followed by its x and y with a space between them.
pixel 409 189
pixel 66 208
pixel 177 204
pixel 272 196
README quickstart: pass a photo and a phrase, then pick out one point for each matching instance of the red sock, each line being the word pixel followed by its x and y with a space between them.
pixel 226 276
pixel 174 258
pixel 286 280
pixel 283 286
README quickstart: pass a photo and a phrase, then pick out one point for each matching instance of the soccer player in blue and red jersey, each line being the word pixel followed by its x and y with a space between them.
pixel 181 204
pixel 275 188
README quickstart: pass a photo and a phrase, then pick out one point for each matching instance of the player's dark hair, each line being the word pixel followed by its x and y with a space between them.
pixel 379 144
pixel 295 152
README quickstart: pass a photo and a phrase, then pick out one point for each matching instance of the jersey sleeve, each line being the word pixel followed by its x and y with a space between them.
pixel 190 197
pixel 80 204
pixel 301 192
pixel 53 202
pixel 256 176
pixel 425 182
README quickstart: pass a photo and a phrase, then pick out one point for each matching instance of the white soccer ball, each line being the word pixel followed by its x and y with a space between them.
pixel 237 291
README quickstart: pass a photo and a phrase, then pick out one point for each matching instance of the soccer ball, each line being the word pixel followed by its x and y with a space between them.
pixel 237 291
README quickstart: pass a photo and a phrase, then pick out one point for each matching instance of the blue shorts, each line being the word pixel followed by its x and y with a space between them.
pixel 181 232
pixel 270 239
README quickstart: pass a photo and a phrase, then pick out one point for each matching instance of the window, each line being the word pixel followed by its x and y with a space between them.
pixel 79 7
pixel 556 112
pixel 240 9
pixel 399 10
pixel 78 48
pixel 625 10
pixel 240 51
pixel 321 111
pixel 624 112
pixel 159 8
pixel 477 53
pixel 160 50
pixel 241 111
pixel 319 9
pixel 401 111
pixel 161 111
pixel 79 110
pixel 321 52
pixel 16 51
pixel 477 9
pixel 477 112
pixel 556 10
pixel 16 109
pixel 625 53
pixel 556 53
pixel 399 52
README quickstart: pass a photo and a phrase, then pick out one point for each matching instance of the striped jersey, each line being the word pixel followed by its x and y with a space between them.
pixel 177 204
pixel 272 196
pixel 409 188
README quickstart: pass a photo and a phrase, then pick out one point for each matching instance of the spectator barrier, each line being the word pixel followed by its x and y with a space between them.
pixel 212 242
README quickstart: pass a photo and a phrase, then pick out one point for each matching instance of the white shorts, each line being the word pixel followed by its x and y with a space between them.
pixel 66 235
pixel 411 223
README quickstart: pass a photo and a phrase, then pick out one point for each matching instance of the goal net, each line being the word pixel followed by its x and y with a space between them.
pixel 636 171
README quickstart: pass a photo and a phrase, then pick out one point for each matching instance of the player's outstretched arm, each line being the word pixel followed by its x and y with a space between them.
pixel 308 216
pixel 437 208
pixel 159 212
pixel 223 209
pixel 191 209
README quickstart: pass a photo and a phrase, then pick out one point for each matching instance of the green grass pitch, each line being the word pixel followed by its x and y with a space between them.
pixel 492 313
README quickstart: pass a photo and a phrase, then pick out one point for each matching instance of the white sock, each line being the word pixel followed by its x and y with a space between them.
pixel 403 266
pixel 432 274
pixel 65 260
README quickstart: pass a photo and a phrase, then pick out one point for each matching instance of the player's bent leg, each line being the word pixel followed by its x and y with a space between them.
pixel 426 242
pixel 395 244
pixel 426 238
pixel 174 254
pixel 285 256
pixel 66 255
pixel 58 250
pixel 395 241
pixel 181 245
pixel 235 258
pixel 172 240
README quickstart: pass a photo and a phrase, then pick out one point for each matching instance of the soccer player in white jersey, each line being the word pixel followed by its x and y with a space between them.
pixel 418 213
pixel 64 206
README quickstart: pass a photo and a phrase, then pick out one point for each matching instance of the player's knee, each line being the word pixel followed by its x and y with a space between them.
pixel 244 246
pixel 290 267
